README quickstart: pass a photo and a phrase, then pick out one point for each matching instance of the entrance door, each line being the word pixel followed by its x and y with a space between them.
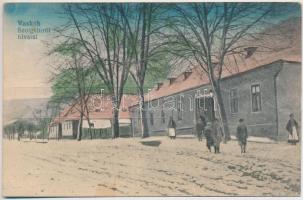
pixel 75 128
pixel 205 107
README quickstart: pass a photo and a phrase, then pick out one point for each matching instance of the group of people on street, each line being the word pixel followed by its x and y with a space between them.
pixel 214 134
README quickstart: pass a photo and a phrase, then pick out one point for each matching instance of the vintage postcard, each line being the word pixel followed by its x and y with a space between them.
pixel 151 99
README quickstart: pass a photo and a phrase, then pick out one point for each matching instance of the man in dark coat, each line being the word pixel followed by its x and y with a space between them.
pixel 208 135
pixel 217 135
pixel 200 127
pixel 242 135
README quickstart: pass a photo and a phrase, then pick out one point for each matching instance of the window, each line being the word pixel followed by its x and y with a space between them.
pixel 163 116
pixel 234 100
pixel 201 103
pixel 151 119
pixel 256 98
pixel 180 108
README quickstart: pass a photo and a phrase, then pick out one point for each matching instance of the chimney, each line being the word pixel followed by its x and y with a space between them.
pixel 250 51
pixel 159 84
pixel 171 80
pixel 187 73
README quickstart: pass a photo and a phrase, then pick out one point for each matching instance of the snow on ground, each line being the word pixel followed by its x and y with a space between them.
pixel 155 166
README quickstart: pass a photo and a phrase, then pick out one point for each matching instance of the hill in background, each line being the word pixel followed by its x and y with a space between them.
pixel 22 108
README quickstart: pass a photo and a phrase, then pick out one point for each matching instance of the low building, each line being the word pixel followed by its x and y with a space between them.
pixel 98 118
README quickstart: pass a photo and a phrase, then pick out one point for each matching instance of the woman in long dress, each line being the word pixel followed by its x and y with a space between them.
pixel 172 128
pixel 293 128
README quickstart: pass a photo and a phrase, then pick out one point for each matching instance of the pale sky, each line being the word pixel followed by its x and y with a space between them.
pixel 26 67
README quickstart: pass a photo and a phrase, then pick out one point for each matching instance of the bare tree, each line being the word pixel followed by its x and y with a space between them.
pixel 144 27
pixel 73 81
pixel 206 34
pixel 84 92
pixel 101 30
pixel 43 118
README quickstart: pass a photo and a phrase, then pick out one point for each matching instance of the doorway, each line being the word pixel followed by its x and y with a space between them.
pixel 205 107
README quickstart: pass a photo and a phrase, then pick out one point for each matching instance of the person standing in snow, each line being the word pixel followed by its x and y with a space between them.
pixel 200 127
pixel 217 135
pixel 242 135
pixel 208 135
pixel 172 128
pixel 293 128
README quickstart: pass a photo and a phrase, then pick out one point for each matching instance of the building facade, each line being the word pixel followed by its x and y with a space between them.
pixel 264 96
pixel 98 118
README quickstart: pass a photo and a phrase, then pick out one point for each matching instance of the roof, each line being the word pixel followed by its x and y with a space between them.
pixel 272 46
pixel 99 106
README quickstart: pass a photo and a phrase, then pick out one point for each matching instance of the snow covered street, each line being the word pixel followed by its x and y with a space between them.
pixel 156 166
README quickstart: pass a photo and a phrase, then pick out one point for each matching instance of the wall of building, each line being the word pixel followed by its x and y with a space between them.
pixel 185 125
pixel 288 84
pixel 136 123
pixel 262 123
pixel 169 105
pixel 53 131
pixel 97 123
pixel 67 128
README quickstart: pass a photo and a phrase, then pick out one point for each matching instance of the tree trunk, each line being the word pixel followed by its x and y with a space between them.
pixel 144 124
pixel 222 113
pixel 89 128
pixel 90 132
pixel 116 123
pixel 79 132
